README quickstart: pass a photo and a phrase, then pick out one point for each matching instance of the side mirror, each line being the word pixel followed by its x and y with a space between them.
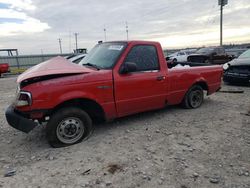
pixel 128 67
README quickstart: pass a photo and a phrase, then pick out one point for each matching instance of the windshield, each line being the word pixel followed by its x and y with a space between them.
pixel 245 54
pixel 204 50
pixel 104 55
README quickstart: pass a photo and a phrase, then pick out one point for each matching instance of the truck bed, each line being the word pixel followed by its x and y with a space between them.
pixel 180 79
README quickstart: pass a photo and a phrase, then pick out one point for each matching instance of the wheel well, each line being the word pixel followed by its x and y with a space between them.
pixel 94 110
pixel 202 84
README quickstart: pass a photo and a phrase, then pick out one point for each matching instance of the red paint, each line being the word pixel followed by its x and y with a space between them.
pixel 4 67
pixel 123 94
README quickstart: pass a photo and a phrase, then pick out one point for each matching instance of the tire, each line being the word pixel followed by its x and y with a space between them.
pixel 174 60
pixel 194 97
pixel 68 126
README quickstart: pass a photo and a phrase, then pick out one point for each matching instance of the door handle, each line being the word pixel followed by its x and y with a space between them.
pixel 159 78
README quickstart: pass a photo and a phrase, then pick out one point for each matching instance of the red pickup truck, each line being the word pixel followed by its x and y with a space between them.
pixel 115 79
pixel 4 67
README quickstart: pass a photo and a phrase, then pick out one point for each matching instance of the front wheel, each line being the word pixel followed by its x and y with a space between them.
pixel 68 126
pixel 194 97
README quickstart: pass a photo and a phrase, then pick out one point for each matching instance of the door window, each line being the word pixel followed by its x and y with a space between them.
pixel 145 57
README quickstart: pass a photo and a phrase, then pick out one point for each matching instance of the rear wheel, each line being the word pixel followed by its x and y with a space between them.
pixel 68 126
pixel 194 97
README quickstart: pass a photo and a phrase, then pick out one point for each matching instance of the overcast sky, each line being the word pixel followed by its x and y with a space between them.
pixel 35 25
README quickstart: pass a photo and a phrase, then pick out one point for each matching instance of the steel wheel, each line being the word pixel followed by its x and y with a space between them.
pixel 70 130
pixel 68 126
pixel 193 98
pixel 196 98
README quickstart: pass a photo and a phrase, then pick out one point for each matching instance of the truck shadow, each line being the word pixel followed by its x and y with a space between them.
pixel 141 118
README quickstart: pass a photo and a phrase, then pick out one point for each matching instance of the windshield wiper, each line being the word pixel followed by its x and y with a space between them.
pixel 92 65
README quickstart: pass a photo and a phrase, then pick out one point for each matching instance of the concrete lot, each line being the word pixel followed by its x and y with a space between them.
pixel 173 147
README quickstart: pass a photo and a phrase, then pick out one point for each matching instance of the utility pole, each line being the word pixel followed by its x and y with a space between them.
pixel 60 45
pixel 76 34
pixel 42 55
pixel 105 34
pixel 127 29
pixel 70 41
pixel 221 3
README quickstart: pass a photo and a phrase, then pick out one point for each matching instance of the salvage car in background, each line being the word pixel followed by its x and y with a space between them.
pixel 238 70
pixel 180 56
pixel 4 67
pixel 76 59
pixel 235 52
pixel 211 55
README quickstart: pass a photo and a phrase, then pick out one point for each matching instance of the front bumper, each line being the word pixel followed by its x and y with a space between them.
pixel 19 122
pixel 236 78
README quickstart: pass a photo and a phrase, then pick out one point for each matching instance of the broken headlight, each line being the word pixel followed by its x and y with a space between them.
pixel 23 98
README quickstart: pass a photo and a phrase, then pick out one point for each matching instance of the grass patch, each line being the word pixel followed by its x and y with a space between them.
pixel 17 70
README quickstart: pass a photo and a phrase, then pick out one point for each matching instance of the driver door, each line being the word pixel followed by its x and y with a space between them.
pixel 144 89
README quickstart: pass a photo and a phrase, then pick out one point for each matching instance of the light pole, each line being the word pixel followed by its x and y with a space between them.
pixel 76 34
pixel 105 34
pixel 221 3
pixel 127 29
pixel 60 45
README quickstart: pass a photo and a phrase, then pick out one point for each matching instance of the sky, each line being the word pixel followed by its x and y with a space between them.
pixel 34 26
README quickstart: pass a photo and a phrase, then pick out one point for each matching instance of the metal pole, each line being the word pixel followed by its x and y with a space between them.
pixel 105 35
pixel 42 55
pixel 60 45
pixel 221 24
pixel 17 60
pixel 127 29
pixel 76 41
pixel 69 41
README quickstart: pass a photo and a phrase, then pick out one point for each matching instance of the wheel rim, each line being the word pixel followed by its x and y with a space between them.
pixel 196 98
pixel 70 130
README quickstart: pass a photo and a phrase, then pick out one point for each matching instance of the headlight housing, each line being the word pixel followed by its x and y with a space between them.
pixel 24 98
pixel 225 66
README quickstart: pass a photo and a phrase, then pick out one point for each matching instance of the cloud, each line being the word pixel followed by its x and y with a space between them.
pixel 174 23
pixel 14 19
pixel 19 4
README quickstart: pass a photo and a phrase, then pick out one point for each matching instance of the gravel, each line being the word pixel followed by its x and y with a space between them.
pixel 172 147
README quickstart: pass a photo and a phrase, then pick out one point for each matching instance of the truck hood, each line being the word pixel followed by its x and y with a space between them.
pixel 55 66
pixel 239 62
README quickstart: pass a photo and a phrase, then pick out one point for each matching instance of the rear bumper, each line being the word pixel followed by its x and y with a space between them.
pixel 19 122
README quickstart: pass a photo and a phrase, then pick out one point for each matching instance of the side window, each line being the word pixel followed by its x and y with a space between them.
pixel 144 56
pixel 182 53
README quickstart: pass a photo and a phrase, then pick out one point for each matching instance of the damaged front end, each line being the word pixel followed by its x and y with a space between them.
pixel 237 74
pixel 23 114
